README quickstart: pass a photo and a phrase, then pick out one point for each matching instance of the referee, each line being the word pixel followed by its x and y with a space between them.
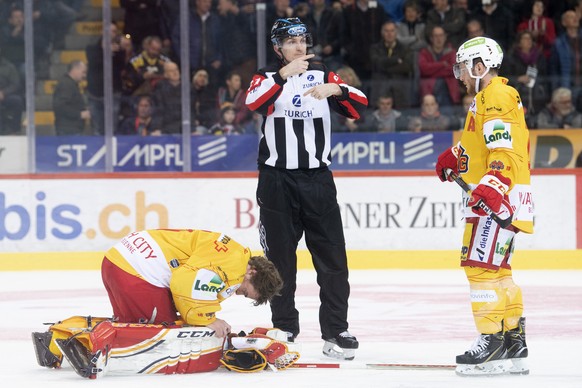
pixel 296 191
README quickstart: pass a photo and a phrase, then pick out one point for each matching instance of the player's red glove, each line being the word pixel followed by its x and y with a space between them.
pixel 446 160
pixel 491 189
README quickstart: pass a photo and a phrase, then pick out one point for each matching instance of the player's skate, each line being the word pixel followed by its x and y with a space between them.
pixel 44 356
pixel 343 346
pixel 487 356
pixel 80 358
pixel 517 349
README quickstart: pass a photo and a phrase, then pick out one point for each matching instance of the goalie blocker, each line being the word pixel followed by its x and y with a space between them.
pixel 95 347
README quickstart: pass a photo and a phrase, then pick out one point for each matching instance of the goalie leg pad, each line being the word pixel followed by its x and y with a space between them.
pixel 44 356
pixel 244 360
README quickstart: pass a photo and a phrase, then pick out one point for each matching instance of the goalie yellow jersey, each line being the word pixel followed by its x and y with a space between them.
pixel 200 268
pixel 496 137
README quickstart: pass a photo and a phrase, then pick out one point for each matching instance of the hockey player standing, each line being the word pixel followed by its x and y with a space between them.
pixel 296 191
pixel 493 158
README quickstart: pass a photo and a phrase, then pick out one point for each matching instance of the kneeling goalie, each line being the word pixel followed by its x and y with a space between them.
pixel 171 282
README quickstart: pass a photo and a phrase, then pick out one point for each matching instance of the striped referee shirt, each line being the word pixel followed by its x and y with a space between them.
pixel 296 128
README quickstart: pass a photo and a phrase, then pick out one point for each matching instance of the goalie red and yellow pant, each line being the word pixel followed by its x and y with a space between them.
pixel 496 301
pixel 136 300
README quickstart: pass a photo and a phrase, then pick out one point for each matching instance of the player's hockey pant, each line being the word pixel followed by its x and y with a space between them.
pixel 296 201
pixel 496 300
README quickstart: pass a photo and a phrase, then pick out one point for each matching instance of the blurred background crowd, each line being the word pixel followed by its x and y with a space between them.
pixel 399 52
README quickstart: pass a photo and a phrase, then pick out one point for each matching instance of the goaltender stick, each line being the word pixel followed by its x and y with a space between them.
pixel 493 158
pixel 162 284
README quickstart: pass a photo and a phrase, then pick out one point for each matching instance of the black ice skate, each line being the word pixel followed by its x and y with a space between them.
pixel 517 348
pixel 343 346
pixel 487 356
pixel 44 356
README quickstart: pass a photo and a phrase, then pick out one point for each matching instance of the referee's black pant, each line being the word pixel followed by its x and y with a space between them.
pixel 296 201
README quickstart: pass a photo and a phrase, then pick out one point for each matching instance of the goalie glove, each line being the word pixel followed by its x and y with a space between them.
pixel 492 190
pixel 446 160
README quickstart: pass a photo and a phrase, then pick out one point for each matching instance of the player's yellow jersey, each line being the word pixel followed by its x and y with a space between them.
pixel 496 137
pixel 200 268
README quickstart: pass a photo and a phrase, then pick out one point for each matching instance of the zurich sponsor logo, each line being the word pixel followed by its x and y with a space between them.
pixel 310 77
pixel 297 100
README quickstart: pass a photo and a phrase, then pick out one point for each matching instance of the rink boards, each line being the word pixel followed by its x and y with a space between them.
pixel 391 219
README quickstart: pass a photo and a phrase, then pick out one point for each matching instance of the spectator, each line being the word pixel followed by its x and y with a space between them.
pixel 452 20
pixel 204 40
pixel 44 20
pixel 141 19
pixel 12 35
pixel 391 64
pixel 12 40
pixel 526 70
pixel 340 123
pixel 143 122
pixel 394 9
pixel 475 29
pixel 169 14
pixel 411 30
pixel 203 99
pixel 146 68
pixel 253 126
pixel 431 119
pixel 565 64
pixel 168 100
pixel 463 5
pixel 238 44
pixel 63 16
pixel 458 122
pixel 326 25
pixel 232 93
pixel 560 113
pixel 121 51
pixel 11 101
pixel 385 118
pixel 497 21
pixel 436 78
pixel 226 125
pixel 71 111
pixel 363 20
pixel 541 27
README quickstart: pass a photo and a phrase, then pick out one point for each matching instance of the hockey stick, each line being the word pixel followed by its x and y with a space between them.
pixel 351 365
pixel 504 223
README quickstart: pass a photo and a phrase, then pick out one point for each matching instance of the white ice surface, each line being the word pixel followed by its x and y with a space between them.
pixel 419 317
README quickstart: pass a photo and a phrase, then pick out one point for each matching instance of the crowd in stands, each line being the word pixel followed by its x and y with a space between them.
pixel 399 52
